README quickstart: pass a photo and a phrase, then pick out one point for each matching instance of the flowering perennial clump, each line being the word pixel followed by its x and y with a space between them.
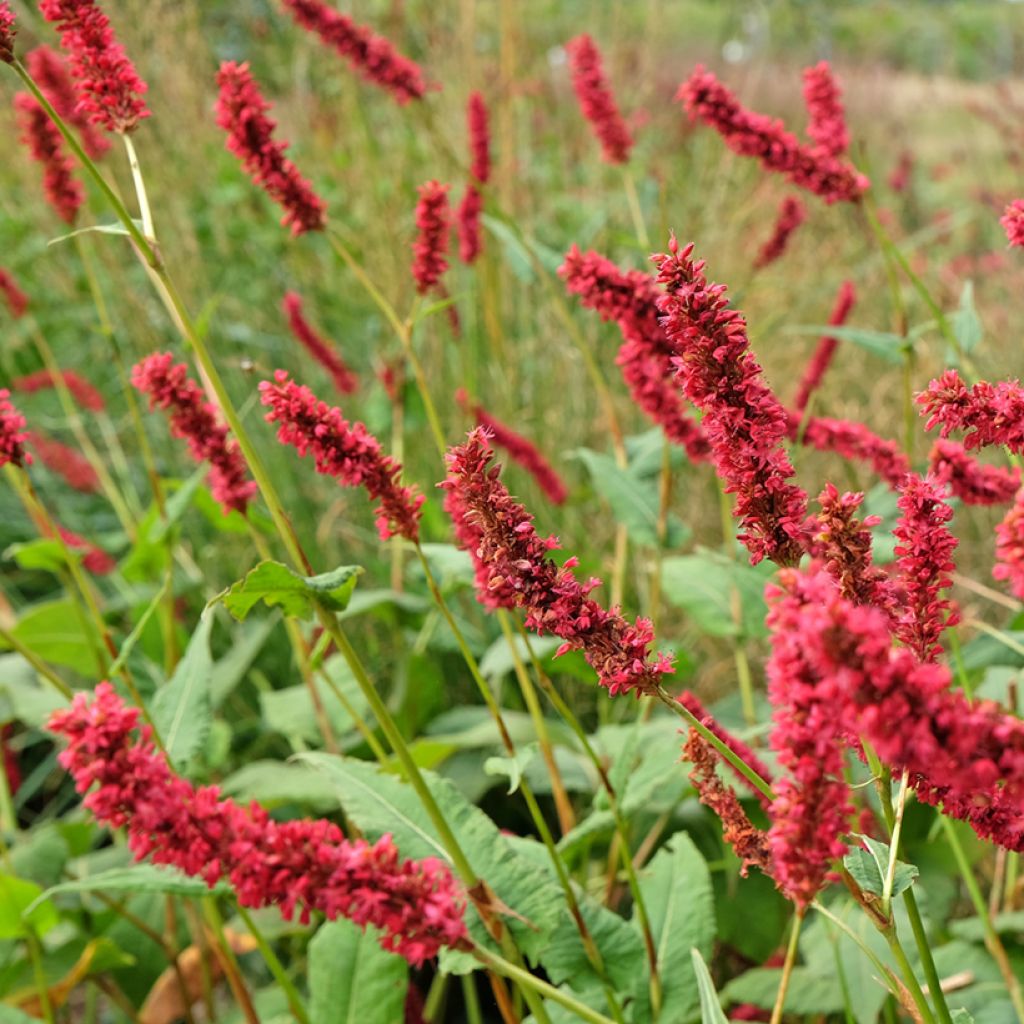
pixel 110 90
pixel 300 865
pixel 792 214
pixel 242 113
pixel 12 436
pixel 196 422
pixel 596 99
pixel 346 451
pixel 744 422
pixel 430 248
pixel 513 570
pixel 62 189
pixel 78 387
pixel 318 347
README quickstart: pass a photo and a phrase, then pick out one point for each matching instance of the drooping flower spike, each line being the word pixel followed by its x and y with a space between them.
pixel 744 422
pixel 242 113
pixel 373 57
pixel 827 119
pixel 468 214
pixel 1013 222
pixel 8 30
pixel 346 451
pixel 827 345
pixel 14 297
pixel 597 100
pixel 750 134
pixel 430 259
pixel 973 482
pixel 12 435
pixel 318 347
pixel 48 70
pixel 792 214
pixel 299 865
pixel 110 90
pixel 513 569
pixel 78 387
pixel 94 558
pixel 853 441
pixel 63 191
pixel 196 421
pixel 68 463
pixel 991 414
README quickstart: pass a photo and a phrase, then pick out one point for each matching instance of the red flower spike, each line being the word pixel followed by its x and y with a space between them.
pixel 318 347
pixel 44 141
pixel 16 299
pixel 94 559
pixel 751 134
pixel 8 30
pixel 468 214
pixel 346 451
pixel 827 124
pixel 630 298
pixel 110 90
pixel 973 482
pixel 596 99
pixel 744 422
pixel 791 215
pixel 1013 222
pixel 242 113
pixel 196 421
pixel 300 865
pixel 822 358
pixel 992 414
pixel 856 442
pixel 372 56
pixel 513 570
pixel 520 450
pixel 1010 547
pixel 80 389
pixel 50 73
pixel 73 468
pixel 432 224
pixel 12 436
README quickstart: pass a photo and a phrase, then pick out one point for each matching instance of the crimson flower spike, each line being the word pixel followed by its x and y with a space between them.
pixel 50 73
pixel 44 141
pixel 630 299
pixel 16 299
pixel 744 422
pixel 373 56
pixel 346 451
pixel 195 421
pixel 429 250
pixel 78 387
pixel 242 113
pixel 992 414
pixel 12 436
pixel 110 90
pixel 305 865
pixel 756 135
pixel 519 448
pixel 853 441
pixel 318 347
pixel 792 214
pixel 74 468
pixel 513 570
pixel 1013 222
pixel 827 119
pixel 94 558
pixel 827 345
pixel 468 214
pixel 8 30
pixel 973 482
pixel 596 99
pixel 1010 547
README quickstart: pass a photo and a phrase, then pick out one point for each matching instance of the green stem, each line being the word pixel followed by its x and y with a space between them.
pixel 787 967
pixel 297 1006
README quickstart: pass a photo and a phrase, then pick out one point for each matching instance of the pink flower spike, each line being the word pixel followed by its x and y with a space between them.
pixel 44 141
pixel 827 345
pixel 346 451
pixel 80 389
pixel 8 30
pixel 744 422
pixel 1010 547
pixel 318 347
pixel 301 864
pixel 12 436
pixel 765 138
pixel 74 468
pixel 432 222
pixel 973 482
pixel 242 113
pixel 856 442
pixel 827 124
pixel 110 90
pixel 992 414
pixel 196 421
pixel 513 570
pixel 16 299
pixel 791 215
pixel 94 559
pixel 596 99
pixel 468 214
pixel 373 57
pixel 1013 222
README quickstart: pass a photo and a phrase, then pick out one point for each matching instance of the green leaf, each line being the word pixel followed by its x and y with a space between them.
pixel 808 992
pixel 273 783
pixel 276 585
pixel 511 768
pixel 868 867
pixel 181 709
pixel 676 888
pixel 710 1007
pixel 960 1016
pixel 19 910
pixel 379 803
pixel 352 980
pixel 891 347
pixel 973 929
pixel 116 228
pixel 138 878
pixel 43 553
pixel 53 630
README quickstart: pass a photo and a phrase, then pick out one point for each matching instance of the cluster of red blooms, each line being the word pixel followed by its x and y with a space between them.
pixel 63 191
pixel 8 31
pixel 94 559
pixel 74 468
pixel 110 90
pixel 319 348
pixel 12 438
pixel 432 225
pixel 513 570
pixel 596 99
pixel 630 299
pixel 49 72
pixel 16 299
pixel 744 422
pixel 78 387
pixel 373 56
pixel 827 345
pixel 242 113
pixel 756 135
pixel 1010 547
pixel 853 441
pixel 304 865
pixel 827 119
pixel 519 448
pixel 195 421
pixel 791 215
pixel 973 482
pixel 468 214
pixel 1013 222
pixel 993 414
pixel 346 451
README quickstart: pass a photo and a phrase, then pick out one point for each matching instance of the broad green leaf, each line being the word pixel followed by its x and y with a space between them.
pixel 972 928
pixel 676 888
pixel 450 565
pixel 137 878
pixel 55 632
pixel 43 553
pixel 378 803
pixel 808 992
pixel 498 659
pixel 19 910
pixel 276 585
pixel 352 980
pixel 12 1015
pixel 868 866
pixel 710 1007
pixel 181 709
pixel 279 782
